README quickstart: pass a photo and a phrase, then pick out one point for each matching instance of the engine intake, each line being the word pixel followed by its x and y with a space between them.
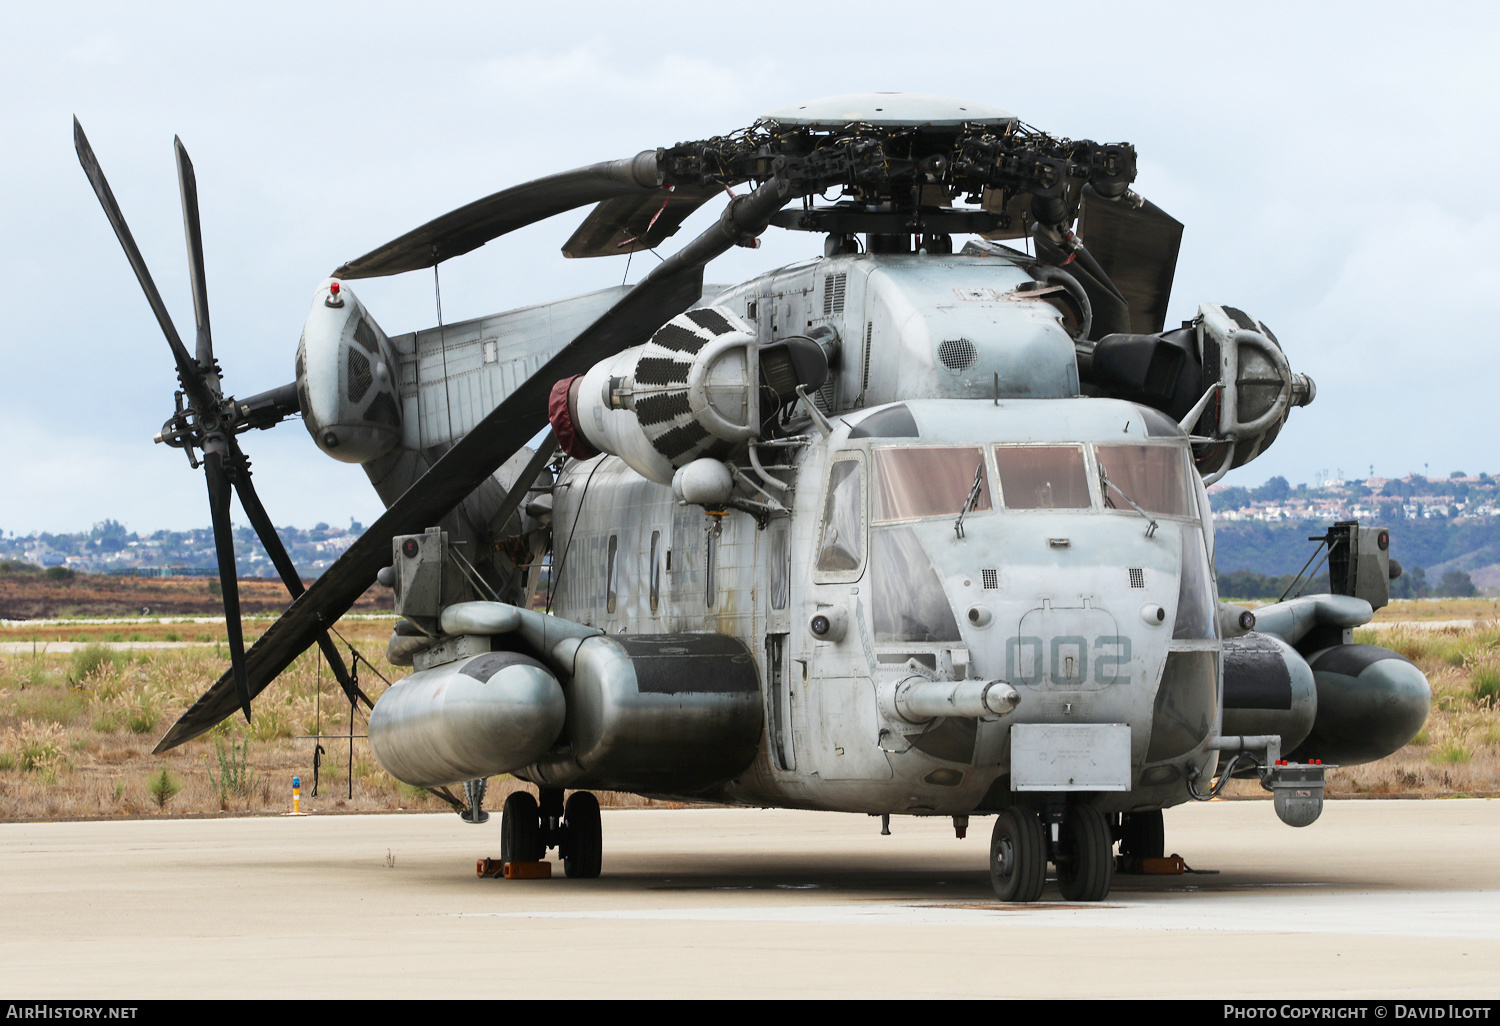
pixel 701 388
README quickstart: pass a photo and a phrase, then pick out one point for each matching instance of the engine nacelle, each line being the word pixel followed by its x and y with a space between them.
pixel 477 717
pixel 701 388
pixel 1222 349
pixel 346 378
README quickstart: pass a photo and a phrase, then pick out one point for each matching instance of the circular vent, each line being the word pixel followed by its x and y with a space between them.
pixel 957 353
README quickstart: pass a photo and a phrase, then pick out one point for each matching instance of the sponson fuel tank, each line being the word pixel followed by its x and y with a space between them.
pixel 477 717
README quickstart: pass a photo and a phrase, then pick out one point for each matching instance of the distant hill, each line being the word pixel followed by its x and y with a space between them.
pixel 1437 546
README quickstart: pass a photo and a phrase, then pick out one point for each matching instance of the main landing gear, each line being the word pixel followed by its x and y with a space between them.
pixel 1077 839
pixel 529 828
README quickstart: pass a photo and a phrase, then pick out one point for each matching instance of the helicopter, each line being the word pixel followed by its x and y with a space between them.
pixel 905 528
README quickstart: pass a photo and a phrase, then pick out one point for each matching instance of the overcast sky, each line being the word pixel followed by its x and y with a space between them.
pixel 1335 166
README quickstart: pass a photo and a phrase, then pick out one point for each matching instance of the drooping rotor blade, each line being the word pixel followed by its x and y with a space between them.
pixel 229 578
pixel 469 227
pixel 261 522
pixel 672 286
pixel 187 183
pixel 187 371
pixel 527 478
pixel 627 224
pixel 1111 315
pixel 1137 247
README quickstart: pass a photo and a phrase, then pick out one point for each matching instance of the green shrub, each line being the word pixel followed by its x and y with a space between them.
pixel 92 658
pixel 163 788
pixel 141 720
pixel 235 780
pixel 1485 684
pixel 270 725
pixel 1452 752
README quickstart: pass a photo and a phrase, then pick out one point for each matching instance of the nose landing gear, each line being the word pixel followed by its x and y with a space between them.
pixel 1081 846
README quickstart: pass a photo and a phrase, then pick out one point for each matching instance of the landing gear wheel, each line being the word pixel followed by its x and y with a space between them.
pixel 583 837
pixel 521 830
pixel 1087 865
pixel 1018 855
pixel 1142 835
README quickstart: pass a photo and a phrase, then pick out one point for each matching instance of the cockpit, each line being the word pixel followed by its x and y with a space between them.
pixel 941 534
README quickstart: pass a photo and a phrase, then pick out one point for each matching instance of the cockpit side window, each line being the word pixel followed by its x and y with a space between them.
pixel 1154 476
pixel 1042 477
pixel 927 481
pixel 842 546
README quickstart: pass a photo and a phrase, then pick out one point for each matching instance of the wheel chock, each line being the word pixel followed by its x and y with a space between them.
pixel 1171 865
pixel 492 868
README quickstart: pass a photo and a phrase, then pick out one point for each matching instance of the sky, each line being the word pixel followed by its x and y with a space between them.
pixel 1334 165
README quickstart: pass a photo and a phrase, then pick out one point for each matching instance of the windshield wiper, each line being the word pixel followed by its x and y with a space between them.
pixel 1105 484
pixel 971 501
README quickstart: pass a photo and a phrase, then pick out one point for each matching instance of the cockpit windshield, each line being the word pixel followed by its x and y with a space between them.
pixel 1154 476
pixel 913 482
pixel 1042 477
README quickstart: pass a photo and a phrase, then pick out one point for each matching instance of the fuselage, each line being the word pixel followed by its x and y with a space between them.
pixel 1054 585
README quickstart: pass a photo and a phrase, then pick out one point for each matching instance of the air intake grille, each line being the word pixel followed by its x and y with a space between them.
pixel 864 381
pixel 990 577
pixel 957 353
pixel 360 377
pixel 833 293
pixel 1137 577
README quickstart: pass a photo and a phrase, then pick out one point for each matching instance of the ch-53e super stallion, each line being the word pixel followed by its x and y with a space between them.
pixel 908 528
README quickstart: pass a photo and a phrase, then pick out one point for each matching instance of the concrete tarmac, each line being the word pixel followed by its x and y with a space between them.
pixel 1377 900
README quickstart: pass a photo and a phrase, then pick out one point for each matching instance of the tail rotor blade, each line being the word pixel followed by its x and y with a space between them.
pixel 187 182
pixel 229 581
pixel 187 370
pixel 264 529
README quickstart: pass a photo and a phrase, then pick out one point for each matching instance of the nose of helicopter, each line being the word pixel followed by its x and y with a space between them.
pixel 1091 620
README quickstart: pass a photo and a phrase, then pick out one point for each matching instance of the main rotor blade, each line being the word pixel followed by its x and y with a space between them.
pixel 1137 247
pixel 187 371
pixel 266 531
pixel 471 226
pixel 229 580
pixel 627 224
pixel 187 183
pixel 671 287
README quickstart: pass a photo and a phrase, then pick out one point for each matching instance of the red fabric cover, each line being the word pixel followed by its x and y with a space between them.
pixel 561 406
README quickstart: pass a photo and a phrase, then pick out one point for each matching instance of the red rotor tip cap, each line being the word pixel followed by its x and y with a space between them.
pixel 334 288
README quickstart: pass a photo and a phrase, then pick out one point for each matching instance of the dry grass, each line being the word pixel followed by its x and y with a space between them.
pixel 1458 751
pixel 77 729
pixel 30 596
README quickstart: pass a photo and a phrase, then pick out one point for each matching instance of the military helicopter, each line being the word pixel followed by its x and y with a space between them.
pixel 895 530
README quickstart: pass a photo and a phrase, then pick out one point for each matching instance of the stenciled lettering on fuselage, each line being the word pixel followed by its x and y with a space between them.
pixel 1068 660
